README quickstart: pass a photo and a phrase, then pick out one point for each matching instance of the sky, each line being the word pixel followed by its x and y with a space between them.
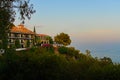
pixel 87 22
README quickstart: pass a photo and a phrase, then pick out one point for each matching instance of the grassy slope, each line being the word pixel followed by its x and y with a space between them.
pixel 44 64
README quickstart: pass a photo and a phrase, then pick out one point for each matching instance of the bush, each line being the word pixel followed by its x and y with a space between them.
pixel 71 51
pixel 48 47
pixel 39 64
pixel 63 50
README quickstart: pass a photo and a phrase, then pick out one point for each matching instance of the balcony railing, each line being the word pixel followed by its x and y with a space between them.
pixel 24 37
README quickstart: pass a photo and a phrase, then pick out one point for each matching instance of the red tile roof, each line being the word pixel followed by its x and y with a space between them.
pixel 21 29
pixel 42 35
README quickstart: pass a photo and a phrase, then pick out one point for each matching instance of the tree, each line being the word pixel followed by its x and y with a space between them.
pixel 24 8
pixel 106 60
pixel 88 52
pixel 50 39
pixel 17 43
pixel 35 38
pixel 28 43
pixel 8 10
pixel 5 19
pixel 63 39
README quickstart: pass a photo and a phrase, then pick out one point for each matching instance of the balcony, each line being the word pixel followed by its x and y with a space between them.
pixel 11 43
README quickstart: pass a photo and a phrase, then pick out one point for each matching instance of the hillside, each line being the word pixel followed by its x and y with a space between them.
pixel 43 64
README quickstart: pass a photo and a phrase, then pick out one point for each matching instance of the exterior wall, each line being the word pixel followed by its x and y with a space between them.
pixel 42 39
pixel 23 38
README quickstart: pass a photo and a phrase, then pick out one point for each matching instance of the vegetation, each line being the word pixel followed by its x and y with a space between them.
pixel 69 51
pixel 63 39
pixel 42 64
pixel 8 10
pixel 50 39
pixel 35 40
pixel 5 20
pixel 48 47
pixel 12 7
pixel 28 43
pixel 17 43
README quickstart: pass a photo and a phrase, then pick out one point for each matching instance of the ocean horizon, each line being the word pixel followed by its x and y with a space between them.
pixel 102 50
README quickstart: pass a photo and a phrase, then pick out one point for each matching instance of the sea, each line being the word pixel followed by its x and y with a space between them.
pixel 111 50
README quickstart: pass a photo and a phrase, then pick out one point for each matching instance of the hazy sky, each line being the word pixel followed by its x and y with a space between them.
pixel 86 21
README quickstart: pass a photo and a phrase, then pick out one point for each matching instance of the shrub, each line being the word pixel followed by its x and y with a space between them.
pixel 48 47
pixel 63 50
pixel 39 64
pixel 71 51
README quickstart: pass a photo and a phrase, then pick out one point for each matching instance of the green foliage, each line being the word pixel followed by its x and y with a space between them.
pixel 48 47
pixel 5 25
pixel 17 43
pixel 88 52
pixel 70 51
pixel 28 43
pixel 63 50
pixel 106 60
pixel 0 44
pixel 50 40
pixel 35 40
pixel 34 30
pixel 40 64
pixel 8 10
pixel 12 46
pixel 24 8
pixel 63 39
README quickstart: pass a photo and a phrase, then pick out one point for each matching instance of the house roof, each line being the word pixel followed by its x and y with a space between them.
pixel 21 29
pixel 42 35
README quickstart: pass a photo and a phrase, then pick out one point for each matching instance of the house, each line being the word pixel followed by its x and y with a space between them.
pixel 43 39
pixel 22 35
